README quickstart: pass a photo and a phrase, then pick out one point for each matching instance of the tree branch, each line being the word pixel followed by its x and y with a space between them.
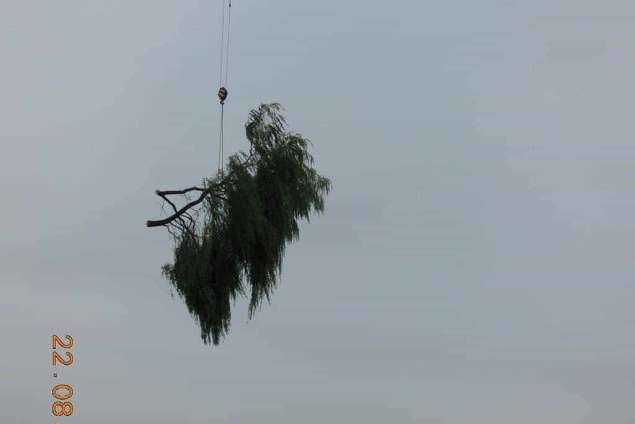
pixel 177 214
pixel 215 190
pixel 164 193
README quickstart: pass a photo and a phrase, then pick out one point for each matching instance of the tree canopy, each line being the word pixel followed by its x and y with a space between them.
pixel 230 241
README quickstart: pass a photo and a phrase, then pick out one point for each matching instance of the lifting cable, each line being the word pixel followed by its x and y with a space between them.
pixel 222 82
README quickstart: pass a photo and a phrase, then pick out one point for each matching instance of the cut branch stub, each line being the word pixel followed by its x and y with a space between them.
pixel 183 210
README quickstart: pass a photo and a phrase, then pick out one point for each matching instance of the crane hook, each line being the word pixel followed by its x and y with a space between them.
pixel 222 94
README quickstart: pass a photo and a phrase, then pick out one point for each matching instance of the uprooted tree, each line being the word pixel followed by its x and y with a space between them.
pixel 230 238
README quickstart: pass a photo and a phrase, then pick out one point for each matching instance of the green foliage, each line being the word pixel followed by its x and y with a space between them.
pixel 237 245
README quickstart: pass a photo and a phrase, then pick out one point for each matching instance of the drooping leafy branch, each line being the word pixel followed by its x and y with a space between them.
pixel 230 239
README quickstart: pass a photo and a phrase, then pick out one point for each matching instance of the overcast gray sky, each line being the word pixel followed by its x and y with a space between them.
pixel 474 264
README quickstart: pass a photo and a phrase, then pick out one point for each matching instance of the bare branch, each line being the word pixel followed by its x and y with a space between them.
pixel 160 222
pixel 215 190
pixel 164 193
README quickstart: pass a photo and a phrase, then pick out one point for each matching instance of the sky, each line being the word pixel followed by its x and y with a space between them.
pixel 473 264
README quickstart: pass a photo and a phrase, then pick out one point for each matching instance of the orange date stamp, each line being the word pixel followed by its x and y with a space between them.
pixel 62 393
